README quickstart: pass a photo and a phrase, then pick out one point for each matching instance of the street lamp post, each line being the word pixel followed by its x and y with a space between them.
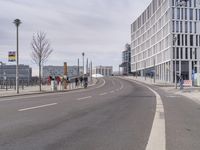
pixel 1 77
pixel 83 54
pixel 17 22
pixel 175 40
pixel 78 71
pixel 145 70
pixel 154 65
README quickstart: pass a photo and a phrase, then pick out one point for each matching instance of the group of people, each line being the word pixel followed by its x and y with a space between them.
pixel 83 80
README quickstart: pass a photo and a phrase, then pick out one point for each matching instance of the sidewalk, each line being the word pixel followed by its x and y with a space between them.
pixel 35 89
pixel 192 93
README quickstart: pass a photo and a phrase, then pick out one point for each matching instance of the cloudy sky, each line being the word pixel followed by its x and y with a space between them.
pixel 100 28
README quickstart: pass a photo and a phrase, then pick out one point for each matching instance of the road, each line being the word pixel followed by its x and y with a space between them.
pixel 115 114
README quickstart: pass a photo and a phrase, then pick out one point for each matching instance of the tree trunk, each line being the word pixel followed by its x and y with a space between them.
pixel 40 80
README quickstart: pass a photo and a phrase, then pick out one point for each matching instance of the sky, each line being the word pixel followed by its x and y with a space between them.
pixel 100 28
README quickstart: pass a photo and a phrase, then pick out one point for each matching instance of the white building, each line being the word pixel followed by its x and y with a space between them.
pixel 103 70
pixel 165 34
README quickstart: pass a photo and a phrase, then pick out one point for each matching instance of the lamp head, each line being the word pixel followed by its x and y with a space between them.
pixel 17 22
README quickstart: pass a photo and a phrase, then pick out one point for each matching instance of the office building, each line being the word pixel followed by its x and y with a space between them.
pixel 8 72
pixel 165 38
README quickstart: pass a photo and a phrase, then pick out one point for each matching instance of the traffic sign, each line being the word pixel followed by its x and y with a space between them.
pixel 11 56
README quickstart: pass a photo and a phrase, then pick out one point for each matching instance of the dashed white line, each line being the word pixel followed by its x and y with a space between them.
pixel 30 108
pixel 173 96
pixel 103 94
pixel 112 91
pixel 82 98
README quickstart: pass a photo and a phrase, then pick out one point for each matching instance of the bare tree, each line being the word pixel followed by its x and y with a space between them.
pixel 40 51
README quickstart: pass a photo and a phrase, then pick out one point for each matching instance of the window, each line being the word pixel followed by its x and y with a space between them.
pixel 181 26
pixel 186 26
pixel 177 26
pixel 178 13
pixel 196 40
pixel 178 40
pixel 185 13
pixel 195 53
pixel 191 40
pixel 185 40
pixel 199 14
pixel 190 53
pixel 195 3
pixel 177 53
pixel 173 2
pixel 173 26
pixel 190 27
pixel 173 13
pixel 195 27
pixel 196 14
pixel 181 53
pixel 190 3
pixel 173 53
pixel 191 14
pixel 186 53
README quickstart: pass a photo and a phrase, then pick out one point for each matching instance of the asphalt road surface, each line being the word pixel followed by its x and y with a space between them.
pixel 115 114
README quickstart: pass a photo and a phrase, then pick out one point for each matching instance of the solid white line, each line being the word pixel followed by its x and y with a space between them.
pixel 82 98
pixel 30 108
pixel 103 94
pixel 157 138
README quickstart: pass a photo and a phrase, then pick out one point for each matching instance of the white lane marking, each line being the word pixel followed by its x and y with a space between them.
pixel 173 96
pixel 103 94
pixel 48 94
pixel 82 98
pixel 157 138
pixel 100 85
pixel 112 91
pixel 41 106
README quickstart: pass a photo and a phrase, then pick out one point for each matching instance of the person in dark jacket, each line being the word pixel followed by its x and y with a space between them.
pixel 76 81
pixel 81 80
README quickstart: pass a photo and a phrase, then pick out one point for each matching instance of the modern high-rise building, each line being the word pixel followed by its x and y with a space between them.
pixel 165 38
pixel 126 60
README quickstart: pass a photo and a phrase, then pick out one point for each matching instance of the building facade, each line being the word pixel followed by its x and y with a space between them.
pixel 165 38
pixel 126 60
pixel 8 72
pixel 72 71
pixel 103 70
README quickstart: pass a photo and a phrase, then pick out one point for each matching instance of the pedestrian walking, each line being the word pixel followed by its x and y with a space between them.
pixel 85 81
pixel 76 82
pixel 181 82
pixel 81 80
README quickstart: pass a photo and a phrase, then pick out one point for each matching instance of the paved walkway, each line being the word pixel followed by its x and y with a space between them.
pixel 35 89
pixel 191 92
